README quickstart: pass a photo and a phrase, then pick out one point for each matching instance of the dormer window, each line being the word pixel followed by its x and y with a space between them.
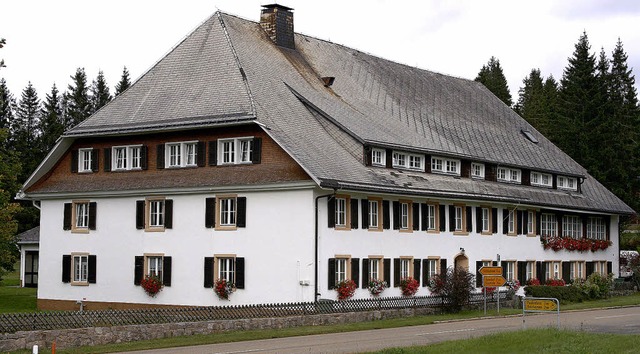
pixel 477 170
pixel 541 179
pixel 570 183
pixel 409 161
pixel 443 165
pixel 511 175
pixel 378 157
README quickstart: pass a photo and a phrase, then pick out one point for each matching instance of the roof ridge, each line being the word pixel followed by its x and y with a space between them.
pixel 237 60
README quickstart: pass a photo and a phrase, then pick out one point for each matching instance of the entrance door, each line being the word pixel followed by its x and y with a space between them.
pixel 461 261
pixel 31 269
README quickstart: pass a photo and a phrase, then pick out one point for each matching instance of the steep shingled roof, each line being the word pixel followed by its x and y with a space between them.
pixel 228 70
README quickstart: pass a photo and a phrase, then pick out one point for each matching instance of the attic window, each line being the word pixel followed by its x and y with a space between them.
pixel 529 135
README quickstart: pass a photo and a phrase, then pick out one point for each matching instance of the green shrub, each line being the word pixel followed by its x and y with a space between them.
pixel 595 287
pixel 564 294
pixel 455 286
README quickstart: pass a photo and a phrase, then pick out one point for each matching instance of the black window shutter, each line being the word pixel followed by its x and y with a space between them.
pixel 425 272
pixel 160 157
pixel 331 212
pixel 386 218
pixel 138 270
pixel 423 212
pixel 240 272
pixel 166 271
pixel 559 217
pixel 107 159
pixel 416 269
pixel 494 220
pixel 469 219
pixel 66 220
pixel 365 213
pixel 74 161
pixel 94 160
pixel 396 215
pixel 366 151
pixel 241 219
pixel 354 213
pixel 566 271
pixel 202 154
pixel 540 271
pixel 443 266
pixel 452 218
pixel 168 214
pixel 331 281
pixel 478 219
pixel 522 272
pixel 478 275
pixel 389 156
pixel 505 221
pixel 257 150
pixel 494 263
pixel 208 272
pixel 66 268
pixel 416 216
pixel 607 225
pixel 355 271
pixel 589 268
pixel 387 270
pixel 365 273
pixel 396 272
pixel 504 269
pixel 609 267
pixel 538 223
pixel 140 214
pixel 144 157
pixel 213 152
pixel 523 221
pixel 93 210
pixel 91 269
pixel 210 213
pixel 442 217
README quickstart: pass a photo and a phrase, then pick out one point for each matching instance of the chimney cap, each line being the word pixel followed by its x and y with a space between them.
pixel 278 6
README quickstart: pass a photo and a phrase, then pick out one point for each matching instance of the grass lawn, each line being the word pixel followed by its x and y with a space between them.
pixel 533 341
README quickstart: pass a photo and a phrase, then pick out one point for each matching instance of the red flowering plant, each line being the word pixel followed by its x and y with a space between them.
pixel 409 286
pixel 533 282
pixel 152 285
pixel 489 289
pixel 377 286
pixel 555 282
pixel 557 243
pixel 346 289
pixel 223 288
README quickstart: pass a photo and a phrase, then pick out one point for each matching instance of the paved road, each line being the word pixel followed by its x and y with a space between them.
pixel 620 320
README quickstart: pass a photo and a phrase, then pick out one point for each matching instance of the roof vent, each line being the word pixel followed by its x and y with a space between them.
pixel 328 80
pixel 277 21
pixel 529 135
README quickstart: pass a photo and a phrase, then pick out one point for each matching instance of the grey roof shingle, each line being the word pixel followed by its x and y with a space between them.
pixel 228 69
pixel 29 236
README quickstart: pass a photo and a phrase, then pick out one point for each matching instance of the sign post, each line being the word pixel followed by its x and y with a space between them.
pixel 540 304
pixel 492 277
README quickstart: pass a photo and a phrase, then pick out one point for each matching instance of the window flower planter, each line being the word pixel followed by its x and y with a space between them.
pixel 346 289
pixel 409 286
pixel 377 286
pixel 152 285
pixel 223 289
pixel 571 244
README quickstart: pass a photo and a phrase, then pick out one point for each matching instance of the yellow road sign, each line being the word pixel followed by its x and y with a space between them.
pixel 493 280
pixel 540 305
pixel 486 270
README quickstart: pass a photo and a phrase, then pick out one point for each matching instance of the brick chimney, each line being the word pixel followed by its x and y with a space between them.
pixel 277 21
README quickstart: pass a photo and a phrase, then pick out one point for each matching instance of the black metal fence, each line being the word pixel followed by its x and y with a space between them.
pixel 14 322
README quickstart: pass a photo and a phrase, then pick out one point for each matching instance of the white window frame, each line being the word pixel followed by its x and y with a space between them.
pixel 567 183
pixel 378 157
pixel 541 179
pixel 80 268
pixel 154 265
pixel 510 270
pixel 552 270
pixel 404 215
pixel 486 220
pixel 445 165
pixel 405 268
pixel 530 270
pixel 341 212
pixel 156 213
pixel 600 267
pixel 434 264
pixel 228 211
pixel 85 160
pixel 477 170
pixel 596 228
pixel 531 215
pixel 431 217
pixel 81 215
pixel 131 158
pixel 509 175
pixel 511 222
pixel 374 212
pixel 577 270
pixel 374 268
pixel 236 151
pixel 181 154
pixel 458 218
pixel 548 225
pixel 572 226
pixel 401 159
pixel 342 269
pixel 226 269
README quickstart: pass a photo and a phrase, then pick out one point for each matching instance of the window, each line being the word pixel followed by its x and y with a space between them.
pixel 600 267
pixel 431 217
pixel 572 226
pixel 434 264
pixel 85 161
pixel 477 170
pixel 570 183
pixel 531 217
pixel 226 269
pixel 577 270
pixel 511 222
pixel 458 218
pixel 404 216
pixel 154 214
pixel 511 175
pixel 374 214
pixel 541 179
pixel 126 157
pixel 183 154
pixel 154 266
pixel 552 270
pixel 224 266
pixel 486 220
pixel 374 268
pixel 596 228
pixel 444 165
pixel 378 157
pixel 79 216
pixel 510 269
pixel 342 269
pixel 531 270
pixel 227 211
pixel 80 268
pixel 548 225
pixel 237 151
pixel 341 212
pixel 405 268
pixel 407 160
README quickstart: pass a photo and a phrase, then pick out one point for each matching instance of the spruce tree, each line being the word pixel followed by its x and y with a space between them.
pixel 492 77
pixel 24 131
pixel 531 101
pixel 78 102
pixel 99 92
pixel 2 43
pixel 124 82
pixel 7 105
pixel 51 124
pixel 551 92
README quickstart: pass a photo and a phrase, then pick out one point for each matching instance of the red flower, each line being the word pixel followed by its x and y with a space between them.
pixel 409 286
pixel 152 285
pixel 346 289
pixel 223 289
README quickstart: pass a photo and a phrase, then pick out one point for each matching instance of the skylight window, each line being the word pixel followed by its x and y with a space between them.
pixel 529 135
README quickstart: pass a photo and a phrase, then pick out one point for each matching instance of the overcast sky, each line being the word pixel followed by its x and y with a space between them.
pixel 47 40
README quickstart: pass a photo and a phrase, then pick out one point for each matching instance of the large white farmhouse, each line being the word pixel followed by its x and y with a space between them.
pixel 284 164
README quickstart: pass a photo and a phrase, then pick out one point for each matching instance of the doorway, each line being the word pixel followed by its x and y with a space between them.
pixel 461 261
pixel 31 269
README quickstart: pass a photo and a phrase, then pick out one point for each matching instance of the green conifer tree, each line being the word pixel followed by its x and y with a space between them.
pixel 492 77
pixel 78 102
pixel 100 94
pixel 51 124
pixel 124 82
